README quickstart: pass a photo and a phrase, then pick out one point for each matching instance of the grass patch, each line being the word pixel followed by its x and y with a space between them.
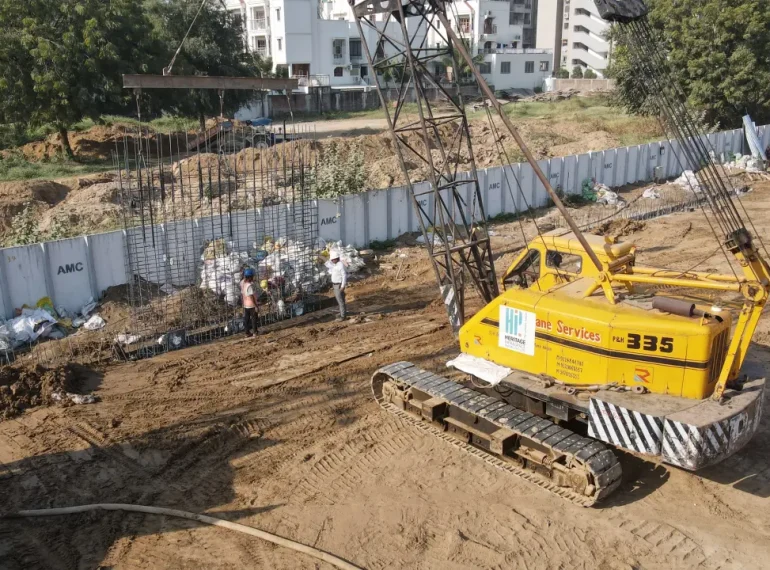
pixel 15 167
pixel 382 244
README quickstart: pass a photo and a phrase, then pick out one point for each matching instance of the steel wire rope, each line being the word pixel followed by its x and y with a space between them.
pixel 646 29
pixel 663 101
pixel 504 154
pixel 654 53
pixel 685 127
pixel 643 86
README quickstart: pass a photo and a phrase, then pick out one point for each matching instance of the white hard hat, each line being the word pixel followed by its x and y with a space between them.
pixel 334 254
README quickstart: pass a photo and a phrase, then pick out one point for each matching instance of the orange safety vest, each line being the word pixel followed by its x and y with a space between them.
pixel 248 300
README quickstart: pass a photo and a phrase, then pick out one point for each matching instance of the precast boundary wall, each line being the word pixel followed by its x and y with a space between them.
pixel 72 271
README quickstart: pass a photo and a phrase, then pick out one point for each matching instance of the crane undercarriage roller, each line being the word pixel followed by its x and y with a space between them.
pixel 583 347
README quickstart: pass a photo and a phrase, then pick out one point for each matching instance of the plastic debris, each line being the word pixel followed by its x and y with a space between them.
pixel 94 323
pixel 434 239
pixel 88 308
pixel 46 304
pixel 127 339
pixel 61 396
pixel 747 163
pixel 688 181
pixel 651 193
pixel 29 326
pixel 168 289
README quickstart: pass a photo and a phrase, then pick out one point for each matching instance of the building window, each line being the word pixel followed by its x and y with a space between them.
pixel 527 19
pixel 485 68
pixel 566 25
pixel 338 49
pixel 277 14
pixel 545 65
pixel 259 45
pixel 337 72
pixel 355 48
pixel 582 12
pixel 529 67
pixel 364 71
pixel 564 43
pixel 464 24
pixel 279 41
pixel 505 67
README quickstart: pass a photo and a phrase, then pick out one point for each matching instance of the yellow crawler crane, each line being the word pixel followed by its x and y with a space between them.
pixel 582 348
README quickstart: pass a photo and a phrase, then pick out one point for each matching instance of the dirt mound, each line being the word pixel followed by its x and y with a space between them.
pixel 42 194
pixel 98 143
pixel 619 228
pixel 22 388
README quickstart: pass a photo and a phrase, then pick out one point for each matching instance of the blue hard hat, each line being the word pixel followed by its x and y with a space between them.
pixel 248 272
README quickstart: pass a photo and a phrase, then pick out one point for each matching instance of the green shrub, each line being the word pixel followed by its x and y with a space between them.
pixel 337 175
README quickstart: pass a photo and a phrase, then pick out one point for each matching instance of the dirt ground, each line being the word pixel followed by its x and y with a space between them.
pixel 281 433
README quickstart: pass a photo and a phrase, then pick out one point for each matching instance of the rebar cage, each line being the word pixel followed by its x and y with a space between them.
pixel 197 211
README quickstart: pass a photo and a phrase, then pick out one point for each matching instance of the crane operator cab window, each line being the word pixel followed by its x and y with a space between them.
pixel 566 262
pixel 526 273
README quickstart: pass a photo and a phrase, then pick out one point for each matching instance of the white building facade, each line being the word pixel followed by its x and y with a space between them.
pixel 576 33
pixel 497 44
pixel 319 40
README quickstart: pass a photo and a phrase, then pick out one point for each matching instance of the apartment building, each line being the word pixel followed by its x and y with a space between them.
pixel 524 13
pixel 312 39
pixel 318 40
pixel 485 26
pixel 575 32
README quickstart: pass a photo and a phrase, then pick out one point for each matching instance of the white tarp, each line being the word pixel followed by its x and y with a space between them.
pixel 28 327
pixel 480 368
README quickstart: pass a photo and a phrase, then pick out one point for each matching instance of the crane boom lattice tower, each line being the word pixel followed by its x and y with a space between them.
pixel 449 206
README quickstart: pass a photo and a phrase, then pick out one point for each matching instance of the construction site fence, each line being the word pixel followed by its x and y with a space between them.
pixel 70 272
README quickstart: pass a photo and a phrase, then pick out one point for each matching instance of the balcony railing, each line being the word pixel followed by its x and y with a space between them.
pixel 259 25
pixel 312 80
pixel 261 52
pixel 489 30
pixel 488 51
pixel 338 58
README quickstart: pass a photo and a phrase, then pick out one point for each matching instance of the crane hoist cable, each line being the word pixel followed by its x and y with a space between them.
pixel 167 70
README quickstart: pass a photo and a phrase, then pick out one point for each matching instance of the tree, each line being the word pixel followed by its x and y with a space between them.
pixel 463 70
pixel 577 72
pixel 589 74
pixel 215 46
pixel 62 61
pixel 561 73
pixel 718 52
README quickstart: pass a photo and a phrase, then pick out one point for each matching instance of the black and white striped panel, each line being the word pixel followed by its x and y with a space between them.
pixel 625 428
pixel 691 447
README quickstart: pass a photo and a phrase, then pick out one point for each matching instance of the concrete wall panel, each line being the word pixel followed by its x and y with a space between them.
pixel 25 273
pixel 377 207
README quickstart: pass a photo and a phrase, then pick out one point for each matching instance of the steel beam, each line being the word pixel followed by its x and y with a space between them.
pixel 206 82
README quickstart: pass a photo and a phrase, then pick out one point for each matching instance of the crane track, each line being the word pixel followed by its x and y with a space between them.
pixel 581 458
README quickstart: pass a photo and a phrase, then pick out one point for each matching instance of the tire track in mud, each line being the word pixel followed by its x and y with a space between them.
pixel 338 473
pixel 672 545
pixel 20 544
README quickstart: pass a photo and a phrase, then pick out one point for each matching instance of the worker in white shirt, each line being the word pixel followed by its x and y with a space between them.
pixel 339 281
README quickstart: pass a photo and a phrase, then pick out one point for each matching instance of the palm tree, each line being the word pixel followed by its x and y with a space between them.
pixel 464 70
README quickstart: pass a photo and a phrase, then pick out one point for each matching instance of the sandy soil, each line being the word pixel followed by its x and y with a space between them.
pixel 281 433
